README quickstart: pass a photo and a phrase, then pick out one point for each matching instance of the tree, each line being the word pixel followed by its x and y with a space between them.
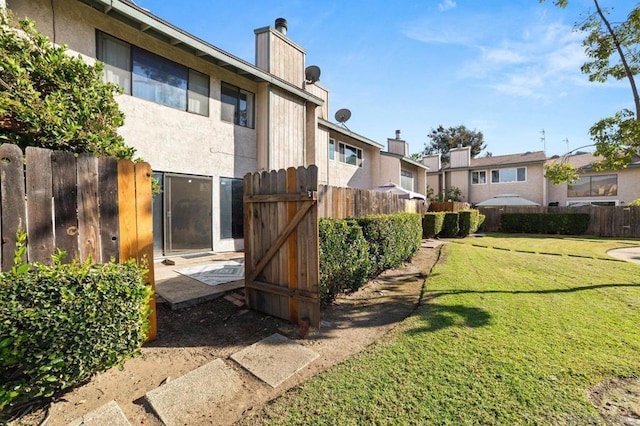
pixel 614 52
pixel 442 140
pixel 52 100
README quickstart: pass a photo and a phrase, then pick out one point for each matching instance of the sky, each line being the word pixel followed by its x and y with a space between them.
pixel 507 68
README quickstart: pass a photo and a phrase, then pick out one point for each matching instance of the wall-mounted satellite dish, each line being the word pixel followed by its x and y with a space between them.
pixel 342 115
pixel 312 74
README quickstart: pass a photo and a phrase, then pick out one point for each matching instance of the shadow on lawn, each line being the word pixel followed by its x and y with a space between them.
pixel 439 293
pixel 443 316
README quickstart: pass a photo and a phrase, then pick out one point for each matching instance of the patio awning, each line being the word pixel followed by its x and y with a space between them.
pixel 402 193
pixel 506 200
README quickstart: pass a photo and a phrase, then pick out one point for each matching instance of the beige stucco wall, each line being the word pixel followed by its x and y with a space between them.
pixel 460 180
pixel 346 175
pixel 532 189
pixel 389 170
pixel 628 188
pixel 460 157
pixel 169 139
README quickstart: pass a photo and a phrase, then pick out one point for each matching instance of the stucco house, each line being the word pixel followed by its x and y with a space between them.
pixel 600 188
pixel 204 118
pixel 480 179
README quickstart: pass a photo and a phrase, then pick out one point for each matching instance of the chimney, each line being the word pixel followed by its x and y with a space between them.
pixel 398 134
pixel 281 25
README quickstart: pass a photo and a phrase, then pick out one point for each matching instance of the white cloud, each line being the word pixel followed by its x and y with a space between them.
pixel 446 5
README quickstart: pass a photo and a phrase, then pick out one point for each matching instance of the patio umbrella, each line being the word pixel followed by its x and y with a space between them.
pixel 402 193
pixel 506 200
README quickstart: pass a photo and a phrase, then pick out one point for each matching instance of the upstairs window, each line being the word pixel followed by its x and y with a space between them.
pixel 594 186
pixel 349 155
pixel 406 180
pixel 237 105
pixel 509 175
pixel 332 149
pixel 148 76
pixel 479 178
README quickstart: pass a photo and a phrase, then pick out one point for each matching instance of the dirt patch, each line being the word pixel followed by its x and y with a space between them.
pixel 191 337
pixel 618 401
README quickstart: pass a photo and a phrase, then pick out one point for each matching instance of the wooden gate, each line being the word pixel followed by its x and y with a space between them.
pixel 281 244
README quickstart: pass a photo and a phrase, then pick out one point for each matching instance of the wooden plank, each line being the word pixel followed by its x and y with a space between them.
pixel 283 255
pixel 303 240
pixel 12 201
pixel 276 197
pixel 65 202
pixel 312 284
pixel 298 294
pixel 247 189
pixel 144 227
pixel 88 213
pixel 292 244
pixel 272 210
pixel 127 210
pixel 39 205
pixel 108 206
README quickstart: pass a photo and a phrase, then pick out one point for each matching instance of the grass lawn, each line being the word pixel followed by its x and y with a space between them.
pixel 501 337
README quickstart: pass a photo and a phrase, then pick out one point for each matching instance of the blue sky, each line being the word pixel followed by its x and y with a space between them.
pixel 507 68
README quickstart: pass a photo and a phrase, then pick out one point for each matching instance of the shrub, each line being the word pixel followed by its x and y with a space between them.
pixel 545 223
pixel 450 227
pixel 344 257
pixel 468 222
pixel 61 324
pixel 432 224
pixel 392 239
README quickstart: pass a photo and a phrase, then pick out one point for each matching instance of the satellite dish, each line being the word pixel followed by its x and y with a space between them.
pixel 342 115
pixel 312 74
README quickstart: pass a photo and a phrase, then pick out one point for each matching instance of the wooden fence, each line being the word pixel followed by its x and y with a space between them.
pixel 339 203
pixel 281 244
pixel 606 221
pixel 97 208
pixel 448 206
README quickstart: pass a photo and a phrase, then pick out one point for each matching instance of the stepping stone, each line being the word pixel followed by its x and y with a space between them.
pixel 108 414
pixel 274 359
pixel 181 400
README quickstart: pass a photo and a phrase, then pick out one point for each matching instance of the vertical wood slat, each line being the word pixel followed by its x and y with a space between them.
pixel 283 254
pixel 144 235
pixel 39 205
pixel 88 213
pixel 12 202
pixel 127 210
pixel 65 203
pixel 292 245
pixel 108 207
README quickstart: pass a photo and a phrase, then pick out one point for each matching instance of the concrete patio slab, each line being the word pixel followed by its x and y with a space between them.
pixel 108 414
pixel 274 359
pixel 180 401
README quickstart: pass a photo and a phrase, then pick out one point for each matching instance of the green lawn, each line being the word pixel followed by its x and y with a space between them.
pixel 502 337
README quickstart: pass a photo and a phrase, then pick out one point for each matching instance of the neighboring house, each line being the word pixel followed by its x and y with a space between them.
pixel 605 188
pixel 397 167
pixel 204 118
pixel 480 179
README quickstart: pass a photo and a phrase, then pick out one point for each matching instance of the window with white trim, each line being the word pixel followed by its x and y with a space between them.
pixel 509 175
pixel 594 186
pixel 479 178
pixel 406 180
pixel 349 154
pixel 149 76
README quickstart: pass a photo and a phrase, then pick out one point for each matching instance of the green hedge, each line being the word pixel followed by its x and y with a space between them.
pixel 392 239
pixel 344 257
pixel 61 324
pixel 432 224
pixel 468 222
pixel 545 223
pixel 450 225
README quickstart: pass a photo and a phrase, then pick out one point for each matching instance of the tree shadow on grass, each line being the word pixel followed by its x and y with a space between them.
pixel 444 316
pixel 434 295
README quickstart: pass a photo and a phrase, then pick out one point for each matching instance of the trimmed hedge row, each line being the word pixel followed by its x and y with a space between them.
pixel 352 250
pixel 449 224
pixel 545 223
pixel 61 324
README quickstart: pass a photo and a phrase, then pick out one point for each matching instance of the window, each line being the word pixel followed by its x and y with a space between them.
pixel 594 186
pixel 148 76
pixel 231 212
pixel 237 105
pixel 406 180
pixel 349 155
pixel 479 178
pixel 509 175
pixel 332 149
